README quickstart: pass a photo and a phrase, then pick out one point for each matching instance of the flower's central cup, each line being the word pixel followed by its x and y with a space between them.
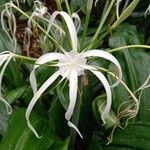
pixel 72 61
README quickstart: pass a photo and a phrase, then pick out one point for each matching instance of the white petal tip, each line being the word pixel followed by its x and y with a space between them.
pixel 103 119
pixel 8 106
pixel 39 137
pixel 9 110
pixel 70 124
pixel 33 130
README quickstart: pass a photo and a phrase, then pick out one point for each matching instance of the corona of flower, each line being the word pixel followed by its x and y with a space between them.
pixel 71 65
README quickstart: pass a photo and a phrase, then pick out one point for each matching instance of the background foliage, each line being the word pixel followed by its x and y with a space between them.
pixel 48 115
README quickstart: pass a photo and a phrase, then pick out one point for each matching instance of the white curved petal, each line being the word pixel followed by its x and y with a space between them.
pixel 95 3
pixel 8 107
pixel 77 21
pixel 3 24
pixel 36 96
pixel 42 60
pixel 3 58
pixel 48 57
pixel 70 25
pixel 108 56
pixel 73 84
pixel 70 124
pixel 106 85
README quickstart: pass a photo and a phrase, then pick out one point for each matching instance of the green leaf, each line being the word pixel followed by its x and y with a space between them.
pixel 29 2
pixel 5 43
pixel 2 2
pixel 78 4
pixel 3 118
pixel 86 120
pixel 15 74
pixel 63 94
pixel 135 136
pixel 57 114
pixel 135 66
pixel 98 107
pixel 15 94
pixel 95 143
pixel 44 72
pixel 20 137
pixel 125 14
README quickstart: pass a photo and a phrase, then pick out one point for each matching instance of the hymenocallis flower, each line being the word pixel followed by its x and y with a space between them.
pixel 39 12
pixel 70 65
pixel 10 26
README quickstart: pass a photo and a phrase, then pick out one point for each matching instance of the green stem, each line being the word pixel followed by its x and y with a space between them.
pixel 58 5
pixel 102 23
pixel 87 19
pixel 14 6
pixel 129 46
pixel 24 57
pixel 105 8
pixel 85 29
pixel 99 39
pixel 111 51
pixel 68 7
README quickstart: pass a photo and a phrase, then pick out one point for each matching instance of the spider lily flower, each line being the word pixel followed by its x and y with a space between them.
pixel 39 11
pixel 70 66
pixel 5 58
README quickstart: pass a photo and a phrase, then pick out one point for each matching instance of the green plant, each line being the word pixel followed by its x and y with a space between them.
pixel 55 52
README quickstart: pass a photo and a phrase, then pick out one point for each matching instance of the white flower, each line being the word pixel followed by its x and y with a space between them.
pixel 40 10
pixel 71 65
pixel 10 26
pixel 5 58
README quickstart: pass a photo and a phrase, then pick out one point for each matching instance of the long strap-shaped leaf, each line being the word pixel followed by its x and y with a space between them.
pixel 125 14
